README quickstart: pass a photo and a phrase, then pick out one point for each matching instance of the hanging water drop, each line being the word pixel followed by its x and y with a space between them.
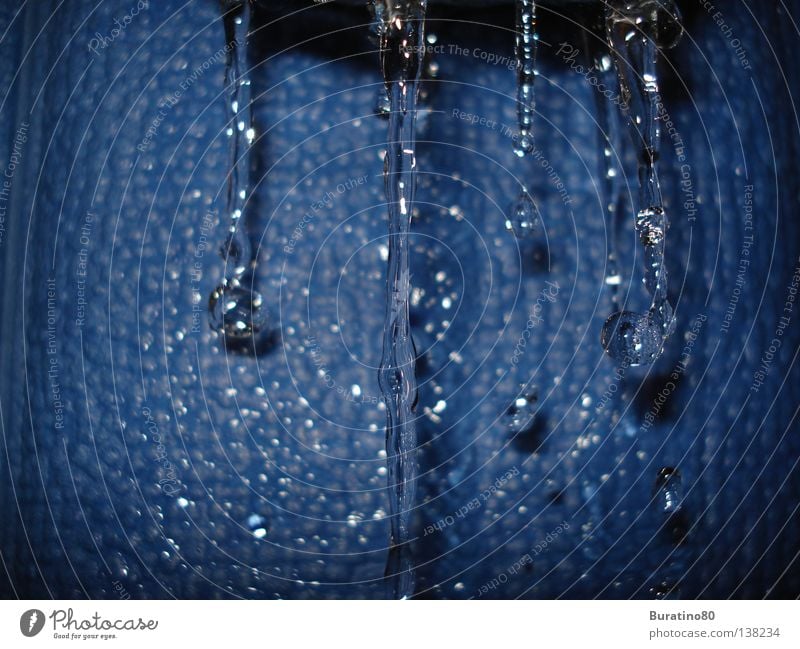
pixel 660 20
pixel 525 49
pixel 401 26
pixel 632 339
pixel 524 220
pixel 634 30
pixel 236 309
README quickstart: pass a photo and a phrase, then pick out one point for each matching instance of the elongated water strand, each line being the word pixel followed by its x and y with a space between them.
pixel 611 167
pixel 635 31
pixel 526 44
pixel 401 31
pixel 235 308
pixel 377 30
pixel 524 219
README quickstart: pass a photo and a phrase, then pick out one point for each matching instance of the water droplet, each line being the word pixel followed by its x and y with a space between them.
pixel 524 220
pixel 668 490
pixel 660 19
pixel 382 104
pixel 631 339
pixel 257 524
pixel 237 312
pixel 432 69
pixel 521 413
pixel 523 144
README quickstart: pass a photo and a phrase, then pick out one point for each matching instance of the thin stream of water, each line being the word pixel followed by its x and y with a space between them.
pixel 611 172
pixel 524 219
pixel 525 48
pixel 635 31
pixel 236 309
pixel 401 25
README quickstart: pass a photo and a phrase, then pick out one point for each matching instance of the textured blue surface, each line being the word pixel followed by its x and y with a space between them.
pixel 270 444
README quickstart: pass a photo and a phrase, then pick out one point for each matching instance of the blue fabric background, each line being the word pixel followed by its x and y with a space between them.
pixel 266 443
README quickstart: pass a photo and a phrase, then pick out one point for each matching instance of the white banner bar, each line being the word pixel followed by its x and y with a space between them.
pixel 397 625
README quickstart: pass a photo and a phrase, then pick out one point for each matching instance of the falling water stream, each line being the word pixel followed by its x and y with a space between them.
pixel 236 309
pixel 401 29
pixel 635 32
pixel 611 172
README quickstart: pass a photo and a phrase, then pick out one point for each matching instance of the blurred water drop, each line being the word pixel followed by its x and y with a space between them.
pixel 521 413
pixel 257 525
pixel 668 490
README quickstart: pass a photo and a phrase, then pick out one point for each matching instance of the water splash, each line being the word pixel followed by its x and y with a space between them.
pixel 236 309
pixel 526 45
pixel 635 31
pixel 401 26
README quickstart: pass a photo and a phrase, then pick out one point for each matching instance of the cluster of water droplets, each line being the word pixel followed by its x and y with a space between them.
pixel 635 32
pixel 400 25
pixel 236 308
